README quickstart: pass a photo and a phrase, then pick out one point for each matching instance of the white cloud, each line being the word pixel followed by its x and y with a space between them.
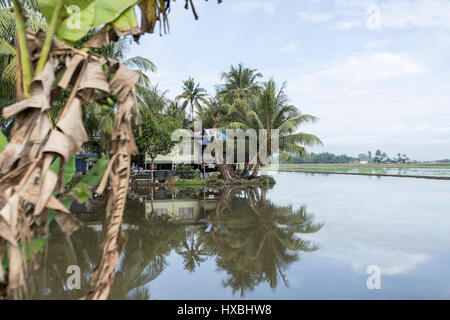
pixel 372 67
pixel 391 262
pixel 360 99
pixel 315 17
pixel 291 46
pixel 397 14
pixel 417 13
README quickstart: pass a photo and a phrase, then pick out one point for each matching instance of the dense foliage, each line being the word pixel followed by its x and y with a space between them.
pixel 325 157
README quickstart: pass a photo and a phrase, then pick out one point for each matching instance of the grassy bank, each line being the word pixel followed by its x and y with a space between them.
pixel 261 181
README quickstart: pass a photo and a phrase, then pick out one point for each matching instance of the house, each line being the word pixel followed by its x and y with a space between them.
pixel 186 152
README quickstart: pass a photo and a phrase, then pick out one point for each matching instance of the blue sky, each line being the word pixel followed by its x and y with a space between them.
pixel 376 73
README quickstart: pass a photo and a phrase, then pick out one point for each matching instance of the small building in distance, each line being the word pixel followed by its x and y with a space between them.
pixel 83 161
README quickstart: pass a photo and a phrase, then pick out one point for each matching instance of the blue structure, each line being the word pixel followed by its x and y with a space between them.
pixel 80 161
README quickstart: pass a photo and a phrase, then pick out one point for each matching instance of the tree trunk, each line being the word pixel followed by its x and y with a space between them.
pixel 225 172
pixel 152 171
pixel 246 170
pixel 255 170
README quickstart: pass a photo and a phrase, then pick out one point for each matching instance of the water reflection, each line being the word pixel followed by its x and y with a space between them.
pixel 251 239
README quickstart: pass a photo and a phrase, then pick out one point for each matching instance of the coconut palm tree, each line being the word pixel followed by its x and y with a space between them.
pixel 98 119
pixel 213 113
pixel 177 111
pixel 8 62
pixel 239 83
pixel 269 109
pixel 193 95
pixel 151 98
pixel 99 124
pixel 141 65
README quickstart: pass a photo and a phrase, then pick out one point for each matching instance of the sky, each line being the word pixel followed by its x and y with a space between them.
pixel 376 73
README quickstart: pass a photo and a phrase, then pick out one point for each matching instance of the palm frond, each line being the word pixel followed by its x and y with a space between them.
pixel 301 138
pixel 141 63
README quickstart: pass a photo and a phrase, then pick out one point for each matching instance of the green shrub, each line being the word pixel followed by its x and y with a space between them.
pixel 186 171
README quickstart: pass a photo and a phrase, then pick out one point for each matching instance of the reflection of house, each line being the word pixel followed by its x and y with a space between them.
pixel 182 210
pixel 76 207
pixel 179 209
pixel 98 227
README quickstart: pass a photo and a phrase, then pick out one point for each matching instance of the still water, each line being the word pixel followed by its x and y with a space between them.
pixel 435 171
pixel 309 237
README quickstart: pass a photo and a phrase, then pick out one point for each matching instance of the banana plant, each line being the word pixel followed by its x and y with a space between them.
pixel 80 193
pixel 47 63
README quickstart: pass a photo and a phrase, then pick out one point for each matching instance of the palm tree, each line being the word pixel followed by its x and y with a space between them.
pixel 8 62
pixel 151 99
pixel 98 119
pixel 240 83
pixel 213 113
pixel 177 112
pixel 269 109
pixel 193 95
pixel 141 65
pixel 99 124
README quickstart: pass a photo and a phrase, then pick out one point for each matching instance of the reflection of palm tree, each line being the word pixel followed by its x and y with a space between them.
pixel 254 242
pixel 49 282
pixel 192 251
pixel 144 258
pixel 259 240
pixel 134 273
pixel 142 261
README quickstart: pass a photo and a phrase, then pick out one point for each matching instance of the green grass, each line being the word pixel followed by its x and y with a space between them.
pixel 191 182
pixel 204 182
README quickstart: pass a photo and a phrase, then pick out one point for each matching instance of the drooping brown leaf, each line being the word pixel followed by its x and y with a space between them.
pixel 122 148
pixel 72 64
pixel 33 124
pixel 27 187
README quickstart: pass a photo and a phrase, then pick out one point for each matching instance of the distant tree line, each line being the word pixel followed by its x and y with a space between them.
pixel 382 157
pixel 377 157
pixel 325 157
pixel 443 161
